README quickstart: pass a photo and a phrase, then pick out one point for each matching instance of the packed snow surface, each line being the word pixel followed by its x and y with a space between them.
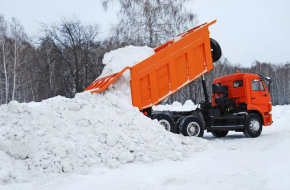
pixel 176 106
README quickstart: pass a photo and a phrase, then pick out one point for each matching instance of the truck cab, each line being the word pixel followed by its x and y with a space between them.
pixel 241 94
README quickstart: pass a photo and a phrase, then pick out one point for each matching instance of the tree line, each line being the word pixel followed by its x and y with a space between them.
pixel 279 88
pixel 63 60
pixel 66 56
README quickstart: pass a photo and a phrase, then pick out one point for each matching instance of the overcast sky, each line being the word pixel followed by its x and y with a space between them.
pixel 247 30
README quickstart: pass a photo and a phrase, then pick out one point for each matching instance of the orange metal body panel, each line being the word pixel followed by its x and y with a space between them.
pixel 174 65
pixel 256 100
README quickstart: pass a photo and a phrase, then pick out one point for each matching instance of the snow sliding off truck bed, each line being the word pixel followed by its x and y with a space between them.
pixel 174 65
pixel 241 102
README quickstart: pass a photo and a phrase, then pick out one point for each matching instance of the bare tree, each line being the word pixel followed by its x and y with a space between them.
pixel 151 22
pixel 74 44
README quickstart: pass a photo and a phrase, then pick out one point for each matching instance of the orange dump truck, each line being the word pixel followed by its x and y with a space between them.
pixel 240 102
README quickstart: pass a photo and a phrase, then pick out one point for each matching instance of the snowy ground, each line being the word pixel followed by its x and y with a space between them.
pixel 234 162
pixel 101 142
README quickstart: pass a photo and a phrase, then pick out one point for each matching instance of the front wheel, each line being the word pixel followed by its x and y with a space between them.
pixel 219 134
pixel 191 126
pixel 253 126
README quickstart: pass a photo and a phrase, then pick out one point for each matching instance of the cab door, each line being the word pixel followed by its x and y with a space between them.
pixel 259 94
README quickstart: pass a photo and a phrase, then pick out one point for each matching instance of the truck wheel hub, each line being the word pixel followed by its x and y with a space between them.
pixel 254 125
pixel 165 123
pixel 193 129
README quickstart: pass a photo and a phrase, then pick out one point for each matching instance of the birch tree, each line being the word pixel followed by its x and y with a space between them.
pixel 18 38
pixel 3 37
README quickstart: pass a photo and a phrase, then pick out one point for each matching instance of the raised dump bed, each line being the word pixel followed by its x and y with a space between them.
pixel 174 64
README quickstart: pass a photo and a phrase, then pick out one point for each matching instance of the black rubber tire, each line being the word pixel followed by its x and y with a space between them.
pixel 216 51
pixel 219 134
pixel 165 117
pixel 177 124
pixel 185 123
pixel 249 131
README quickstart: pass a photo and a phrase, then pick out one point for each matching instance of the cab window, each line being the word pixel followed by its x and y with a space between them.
pixel 238 83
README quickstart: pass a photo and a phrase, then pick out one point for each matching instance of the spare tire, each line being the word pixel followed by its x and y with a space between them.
pixel 216 51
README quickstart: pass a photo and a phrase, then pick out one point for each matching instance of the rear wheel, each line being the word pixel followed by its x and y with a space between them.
pixel 253 127
pixel 191 126
pixel 177 124
pixel 219 134
pixel 165 120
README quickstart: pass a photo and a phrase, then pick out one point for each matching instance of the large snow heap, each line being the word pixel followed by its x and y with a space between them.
pixel 62 135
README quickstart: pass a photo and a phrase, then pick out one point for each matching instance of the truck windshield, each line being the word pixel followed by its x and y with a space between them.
pixel 262 86
pixel 257 85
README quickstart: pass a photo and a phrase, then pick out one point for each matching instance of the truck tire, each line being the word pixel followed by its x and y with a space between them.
pixel 177 124
pixel 253 126
pixel 165 120
pixel 216 51
pixel 219 134
pixel 191 126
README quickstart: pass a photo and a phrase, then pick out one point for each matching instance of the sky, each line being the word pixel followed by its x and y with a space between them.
pixel 247 30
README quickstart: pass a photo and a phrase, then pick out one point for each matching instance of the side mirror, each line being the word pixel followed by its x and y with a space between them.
pixel 269 79
pixel 269 82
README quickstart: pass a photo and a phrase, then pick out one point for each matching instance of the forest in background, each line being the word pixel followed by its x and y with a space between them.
pixel 65 57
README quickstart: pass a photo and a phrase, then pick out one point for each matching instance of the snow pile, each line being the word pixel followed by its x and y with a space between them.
pixel 177 38
pixel 176 106
pixel 280 116
pixel 117 60
pixel 61 135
